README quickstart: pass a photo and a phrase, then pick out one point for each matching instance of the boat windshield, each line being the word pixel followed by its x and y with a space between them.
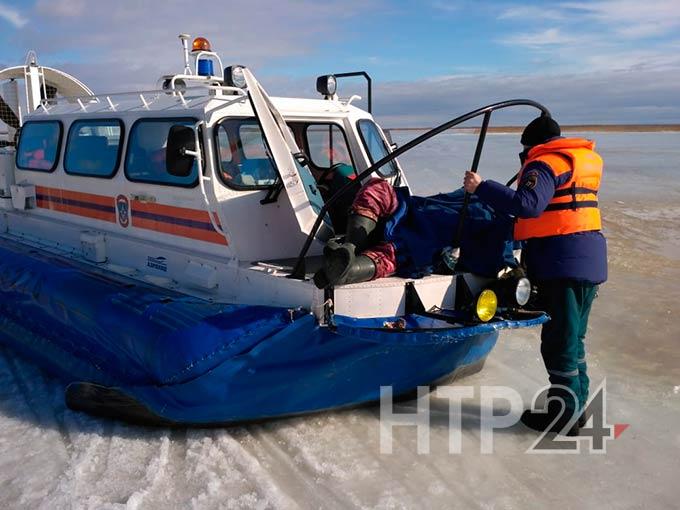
pixel 376 146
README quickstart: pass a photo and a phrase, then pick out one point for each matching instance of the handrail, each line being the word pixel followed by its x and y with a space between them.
pixel 202 179
pixel 369 84
pixel 96 98
pixel 299 269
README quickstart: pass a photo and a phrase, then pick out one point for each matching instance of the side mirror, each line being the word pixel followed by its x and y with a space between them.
pixel 180 150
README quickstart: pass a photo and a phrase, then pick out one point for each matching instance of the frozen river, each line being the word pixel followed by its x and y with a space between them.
pixel 54 458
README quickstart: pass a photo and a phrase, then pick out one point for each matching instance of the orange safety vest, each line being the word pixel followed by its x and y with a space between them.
pixel 573 207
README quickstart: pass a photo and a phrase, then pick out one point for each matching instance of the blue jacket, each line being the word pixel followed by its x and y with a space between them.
pixel 422 227
pixel 581 256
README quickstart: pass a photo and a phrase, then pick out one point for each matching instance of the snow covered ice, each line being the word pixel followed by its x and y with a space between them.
pixel 55 458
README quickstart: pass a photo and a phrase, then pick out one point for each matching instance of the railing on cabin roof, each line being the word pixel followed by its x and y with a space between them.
pixel 147 97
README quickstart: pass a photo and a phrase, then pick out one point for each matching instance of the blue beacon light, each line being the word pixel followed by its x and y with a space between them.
pixel 205 65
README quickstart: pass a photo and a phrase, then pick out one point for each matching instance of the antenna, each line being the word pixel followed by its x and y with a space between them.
pixel 31 58
pixel 184 38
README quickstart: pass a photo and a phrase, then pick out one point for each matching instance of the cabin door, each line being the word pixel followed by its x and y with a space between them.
pixel 297 180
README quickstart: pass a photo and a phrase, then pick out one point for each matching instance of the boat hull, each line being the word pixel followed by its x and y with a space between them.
pixel 135 351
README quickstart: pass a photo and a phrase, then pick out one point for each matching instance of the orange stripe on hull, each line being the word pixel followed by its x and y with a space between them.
pixel 179 230
pixel 75 195
pixel 171 210
pixel 76 202
pixel 78 211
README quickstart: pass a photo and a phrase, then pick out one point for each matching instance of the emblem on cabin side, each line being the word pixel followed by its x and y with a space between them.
pixel 123 207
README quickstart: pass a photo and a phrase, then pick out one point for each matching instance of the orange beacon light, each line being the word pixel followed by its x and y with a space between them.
pixel 200 44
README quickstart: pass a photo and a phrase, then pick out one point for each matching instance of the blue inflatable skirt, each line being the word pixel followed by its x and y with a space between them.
pixel 133 351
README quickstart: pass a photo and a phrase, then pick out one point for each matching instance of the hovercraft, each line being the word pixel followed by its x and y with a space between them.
pixel 157 251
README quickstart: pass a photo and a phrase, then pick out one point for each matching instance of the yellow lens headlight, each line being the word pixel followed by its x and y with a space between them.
pixel 486 305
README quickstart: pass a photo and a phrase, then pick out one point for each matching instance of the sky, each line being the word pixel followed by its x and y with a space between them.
pixel 598 61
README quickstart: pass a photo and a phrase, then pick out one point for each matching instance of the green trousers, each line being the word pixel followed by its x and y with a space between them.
pixel 568 303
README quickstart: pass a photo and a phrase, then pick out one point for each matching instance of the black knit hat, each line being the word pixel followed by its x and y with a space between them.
pixel 540 130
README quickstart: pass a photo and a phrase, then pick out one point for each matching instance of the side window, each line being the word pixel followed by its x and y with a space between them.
pixel 39 145
pixel 93 148
pixel 243 155
pixel 327 145
pixel 375 146
pixel 145 158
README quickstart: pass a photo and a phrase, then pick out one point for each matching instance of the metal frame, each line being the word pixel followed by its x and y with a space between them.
pixel 202 179
pixel 299 268
pixel 179 94
pixel 369 84
pixel 197 56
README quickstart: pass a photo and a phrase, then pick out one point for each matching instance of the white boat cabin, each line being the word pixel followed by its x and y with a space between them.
pixel 89 181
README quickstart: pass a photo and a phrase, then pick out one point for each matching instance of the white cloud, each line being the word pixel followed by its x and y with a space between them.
pixel 598 35
pixel 61 8
pixel 133 42
pixel 606 96
pixel 13 16
pixel 585 71
pixel 549 36
pixel 447 6
pixel 626 18
pixel 531 13
pixel 631 18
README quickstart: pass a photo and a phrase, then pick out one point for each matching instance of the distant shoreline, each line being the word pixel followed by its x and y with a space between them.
pixel 598 128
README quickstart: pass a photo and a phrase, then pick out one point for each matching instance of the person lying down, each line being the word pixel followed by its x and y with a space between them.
pixel 391 232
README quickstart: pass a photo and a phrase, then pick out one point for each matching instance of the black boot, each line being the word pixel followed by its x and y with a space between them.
pixel 542 421
pixel 339 258
pixel 360 269
pixel 358 229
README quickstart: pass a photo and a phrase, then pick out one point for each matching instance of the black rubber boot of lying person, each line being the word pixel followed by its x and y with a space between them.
pixel 321 280
pixel 358 230
pixel 357 233
pixel 360 269
pixel 339 257
pixel 338 253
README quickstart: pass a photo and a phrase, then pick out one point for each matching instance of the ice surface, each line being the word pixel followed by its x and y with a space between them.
pixel 54 458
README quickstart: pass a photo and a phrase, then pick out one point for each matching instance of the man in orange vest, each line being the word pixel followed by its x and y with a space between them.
pixel 557 215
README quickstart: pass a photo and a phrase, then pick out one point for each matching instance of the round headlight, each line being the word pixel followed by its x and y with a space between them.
pixel 233 76
pixel 326 85
pixel 331 85
pixel 237 77
pixel 523 291
pixel 486 305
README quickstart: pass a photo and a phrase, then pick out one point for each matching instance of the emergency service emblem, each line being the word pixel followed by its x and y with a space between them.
pixel 531 179
pixel 123 207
